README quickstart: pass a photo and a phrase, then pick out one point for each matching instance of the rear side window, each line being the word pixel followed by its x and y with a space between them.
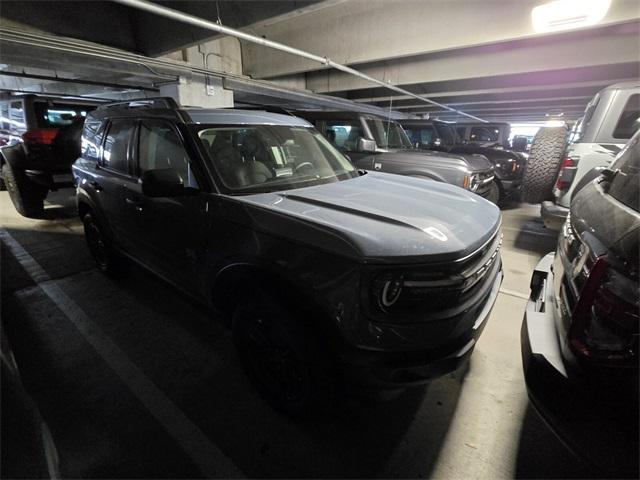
pixel 625 185
pixel 56 115
pixel 484 134
pixel 16 117
pixel 91 139
pixel 629 120
pixel 115 155
pixel 4 113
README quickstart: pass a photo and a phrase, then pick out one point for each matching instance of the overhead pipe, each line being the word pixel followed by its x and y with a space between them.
pixel 216 27
pixel 79 47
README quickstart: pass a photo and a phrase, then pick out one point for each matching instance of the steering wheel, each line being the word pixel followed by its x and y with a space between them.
pixel 303 164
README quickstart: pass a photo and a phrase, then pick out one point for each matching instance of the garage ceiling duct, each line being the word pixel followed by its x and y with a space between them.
pixel 200 22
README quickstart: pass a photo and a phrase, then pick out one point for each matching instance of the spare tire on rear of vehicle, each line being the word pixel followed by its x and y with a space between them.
pixel 542 167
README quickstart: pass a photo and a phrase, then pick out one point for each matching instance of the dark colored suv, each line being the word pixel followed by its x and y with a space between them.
pixel 325 274
pixel 40 139
pixel 580 330
pixel 381 144
pixel 441 136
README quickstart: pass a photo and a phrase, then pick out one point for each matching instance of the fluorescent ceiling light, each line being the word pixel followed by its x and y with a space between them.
pixel 568 14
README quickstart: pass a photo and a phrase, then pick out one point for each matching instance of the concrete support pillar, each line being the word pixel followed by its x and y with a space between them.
pixel 199 92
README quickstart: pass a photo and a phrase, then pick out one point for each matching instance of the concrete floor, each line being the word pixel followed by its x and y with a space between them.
pixel 84 363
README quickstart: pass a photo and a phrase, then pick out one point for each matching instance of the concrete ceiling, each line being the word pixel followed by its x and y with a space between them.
pixel 115 25
pixel 482 57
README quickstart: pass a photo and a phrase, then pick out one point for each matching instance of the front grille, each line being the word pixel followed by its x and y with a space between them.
pixel 425 293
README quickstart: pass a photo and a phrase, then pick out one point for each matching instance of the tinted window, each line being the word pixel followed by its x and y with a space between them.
pixel 16 117
pixel 388 134
pixel 629 120
pixel 55 115
pixel 344 134
pixel 116 145
pixel 4 113
pixel 264 158
pixel 485 134
pixel 424 135
pixel 625 186
pixel 160 147
pixel 91 139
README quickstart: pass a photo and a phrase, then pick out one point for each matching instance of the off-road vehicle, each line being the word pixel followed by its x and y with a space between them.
pixel 441 136
pixel 380 144
pixel 580 330
pixel 326 274
pixel 556 169
pixel 39 140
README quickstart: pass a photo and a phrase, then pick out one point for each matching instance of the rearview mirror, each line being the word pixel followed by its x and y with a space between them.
pixel 162 182
pixel 366 145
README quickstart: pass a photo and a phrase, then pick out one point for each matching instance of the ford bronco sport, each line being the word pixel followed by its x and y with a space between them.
pixel 325 274
pixel 381 144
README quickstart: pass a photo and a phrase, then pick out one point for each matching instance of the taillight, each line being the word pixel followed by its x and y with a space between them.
pixel 605 321
pixel 41 136
pixel 564 182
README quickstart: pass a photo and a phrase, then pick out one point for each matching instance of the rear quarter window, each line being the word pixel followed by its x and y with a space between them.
pixel 92 139
pixel 629 120
pixel 625 186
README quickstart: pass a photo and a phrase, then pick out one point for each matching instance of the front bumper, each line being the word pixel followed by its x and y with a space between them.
pixel 386 369
pixel 553 215
pixel 565 399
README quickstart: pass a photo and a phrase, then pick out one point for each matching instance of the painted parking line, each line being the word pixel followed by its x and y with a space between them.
pixel 205 455
pixel 514 293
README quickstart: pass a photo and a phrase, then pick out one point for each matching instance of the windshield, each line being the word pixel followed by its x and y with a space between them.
pixel 266 158
pixel 388 133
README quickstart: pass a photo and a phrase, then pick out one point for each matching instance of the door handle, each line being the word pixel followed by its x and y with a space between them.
pixel 135 202
pixel 96 185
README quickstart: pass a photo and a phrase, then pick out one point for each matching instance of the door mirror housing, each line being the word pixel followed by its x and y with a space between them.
pixel 607 174
pixel 366 145
pixel 162 182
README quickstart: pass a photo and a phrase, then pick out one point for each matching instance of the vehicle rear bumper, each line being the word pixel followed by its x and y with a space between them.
pixel 553 215
pixel 387 369
pixel 564 399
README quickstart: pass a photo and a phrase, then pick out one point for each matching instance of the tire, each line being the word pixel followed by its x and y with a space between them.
pixel 494 193
pixel 27 197
pixel 542 167
pixel 106 258
pixel 284 359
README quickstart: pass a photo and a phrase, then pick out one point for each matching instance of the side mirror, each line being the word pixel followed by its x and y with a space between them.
pixel 163 182
pixel 366 145
pixel 606 174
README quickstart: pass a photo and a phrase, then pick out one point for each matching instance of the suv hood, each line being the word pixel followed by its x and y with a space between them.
pixel 381 218
pixel 476 163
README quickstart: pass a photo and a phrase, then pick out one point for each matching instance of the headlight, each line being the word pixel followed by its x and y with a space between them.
pixel 471 182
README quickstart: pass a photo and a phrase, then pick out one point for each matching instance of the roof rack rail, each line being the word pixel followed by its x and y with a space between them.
pixel 266 108
pixel 151 102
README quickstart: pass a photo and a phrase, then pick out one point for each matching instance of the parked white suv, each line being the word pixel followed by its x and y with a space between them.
pixel 560 162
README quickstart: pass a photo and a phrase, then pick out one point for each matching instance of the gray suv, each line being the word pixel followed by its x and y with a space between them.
pixel 327 275
pixel 380 144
